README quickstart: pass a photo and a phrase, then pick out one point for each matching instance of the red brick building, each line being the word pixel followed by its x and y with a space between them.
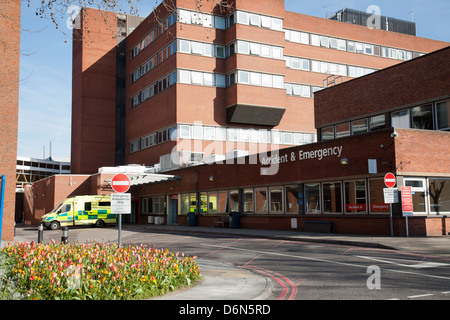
pixel 201 84
pixel 9 107
pixel 211 82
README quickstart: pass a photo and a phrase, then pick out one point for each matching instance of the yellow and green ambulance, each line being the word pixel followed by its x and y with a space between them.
pixel 79 211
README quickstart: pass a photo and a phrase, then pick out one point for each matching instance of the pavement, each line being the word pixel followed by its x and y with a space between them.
pixel 225 282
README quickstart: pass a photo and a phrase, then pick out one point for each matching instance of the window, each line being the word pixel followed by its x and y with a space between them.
pixel 255 48
pixel 377 123
pixel 87 206
pixel 243 47
pixel 327 133
pixel 292 199
pixel 277 24
pixel 220 52
pixel 209 133
pixel 277 52
pixel 266 80
pixel 276 199
pixel 355 196
pixel 312 198
pixel 222 201
pixel 242 17
pixel 212 202
pixel 422 117
pixel 255 78
pixel 439 191
pixel 244 77
pixel 266 22
pixel 208 49
pixel 197 132
pixel 209 79
pixel 197 47
pixel 219 22
pixel 278 82
pixel 266 51
pixel 221 134
pixel 443 115
pixel 418 193
pixel 234 201
pixel 255 20
pixel 401 119
pixel 232 134
pixel 197 77
pixel 247 201
pixel 261 200
pixel 377 205
pixel 342 130
pixel 332 197
pixel 359 126
pixel 184 76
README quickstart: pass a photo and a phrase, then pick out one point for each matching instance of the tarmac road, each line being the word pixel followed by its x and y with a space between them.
pixel 241 264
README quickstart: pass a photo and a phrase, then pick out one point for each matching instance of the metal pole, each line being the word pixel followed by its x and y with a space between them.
pixel 2 201
pixel 40 232
pixel 407 228
pixel 392 227
pixel 119 240
pixel 65 235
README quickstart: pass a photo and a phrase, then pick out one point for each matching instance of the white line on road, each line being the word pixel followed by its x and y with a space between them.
pixel 322 260
pixel 421 296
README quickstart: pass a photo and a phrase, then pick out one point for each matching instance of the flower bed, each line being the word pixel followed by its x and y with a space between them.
pixel 92 271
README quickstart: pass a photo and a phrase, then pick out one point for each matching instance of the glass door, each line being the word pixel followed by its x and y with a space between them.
pixel 419 194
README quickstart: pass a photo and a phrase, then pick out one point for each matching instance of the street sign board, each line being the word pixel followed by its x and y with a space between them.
pixel 120 203
pixel 390 180
pixel 390 195
pixel 120 183
pixel 407 202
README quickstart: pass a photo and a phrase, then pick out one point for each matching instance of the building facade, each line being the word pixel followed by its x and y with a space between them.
pixel 9 108
pixel 204 85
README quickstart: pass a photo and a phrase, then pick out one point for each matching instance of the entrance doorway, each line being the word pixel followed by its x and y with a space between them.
pixel 172 210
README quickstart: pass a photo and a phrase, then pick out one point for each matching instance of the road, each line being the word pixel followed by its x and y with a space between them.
pixel 303 270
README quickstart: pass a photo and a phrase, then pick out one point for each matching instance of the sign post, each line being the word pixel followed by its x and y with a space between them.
pixel 120 201
pixel 390 195
pixel 407 205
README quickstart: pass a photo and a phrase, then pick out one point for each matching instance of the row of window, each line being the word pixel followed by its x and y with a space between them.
pixel 199 132
pixel 326 67
pixel 153 35
pixel 207 50
pixel 154 89
pixel 434 116
pixel 348 45
pixel 364 196
pixel 150 64
pixel 210 133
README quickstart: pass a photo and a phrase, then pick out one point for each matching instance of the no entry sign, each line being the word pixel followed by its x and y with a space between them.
pixel 390 180
pixel 120 183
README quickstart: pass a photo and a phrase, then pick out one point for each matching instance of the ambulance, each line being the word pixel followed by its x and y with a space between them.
pixel 80 211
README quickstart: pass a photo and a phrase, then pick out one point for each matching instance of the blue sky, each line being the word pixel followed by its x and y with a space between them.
pixel 46 63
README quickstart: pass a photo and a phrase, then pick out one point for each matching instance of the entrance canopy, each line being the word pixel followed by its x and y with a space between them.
pixel 143 179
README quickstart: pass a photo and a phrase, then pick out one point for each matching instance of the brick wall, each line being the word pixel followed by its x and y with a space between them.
pixel 407 83
pixel 94 92
pixel 9 104
pixel 422 152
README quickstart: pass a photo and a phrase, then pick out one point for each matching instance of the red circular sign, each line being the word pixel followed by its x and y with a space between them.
pixel 389 180
pixel 120 183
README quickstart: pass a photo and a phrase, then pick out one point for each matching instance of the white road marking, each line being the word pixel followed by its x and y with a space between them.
pixel 323 260
pixel 414 265
pixel 421 296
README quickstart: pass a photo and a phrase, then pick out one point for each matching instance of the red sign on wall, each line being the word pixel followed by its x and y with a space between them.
pixel 355 207
pixel 407 202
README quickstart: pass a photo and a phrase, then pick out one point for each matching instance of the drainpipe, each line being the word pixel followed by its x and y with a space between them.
pixel 2 199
